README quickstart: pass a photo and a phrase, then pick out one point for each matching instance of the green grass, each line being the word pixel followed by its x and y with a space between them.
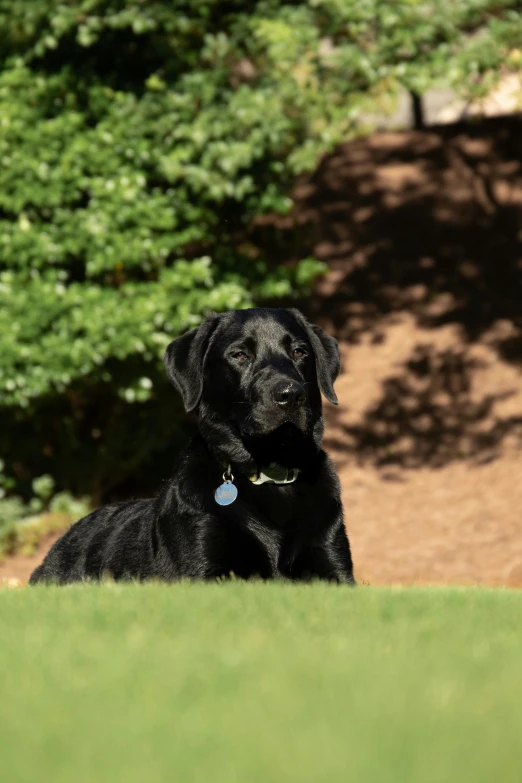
pixel 241 683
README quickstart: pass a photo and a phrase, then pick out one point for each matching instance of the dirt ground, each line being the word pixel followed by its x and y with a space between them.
pixel 422 233
pixel 454 523
pixel 17 570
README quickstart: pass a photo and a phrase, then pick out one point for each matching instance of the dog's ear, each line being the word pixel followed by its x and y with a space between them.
pixel 185 359
pixel 327 356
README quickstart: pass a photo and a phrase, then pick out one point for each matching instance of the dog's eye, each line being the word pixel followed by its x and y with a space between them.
pixel 298 353
pixel 241 356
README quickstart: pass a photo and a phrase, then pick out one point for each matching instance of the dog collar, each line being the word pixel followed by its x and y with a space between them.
pixel 227 492
pixel 274 474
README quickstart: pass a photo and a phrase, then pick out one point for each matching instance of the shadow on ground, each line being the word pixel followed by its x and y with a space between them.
pixel 429 222
pixel 428 416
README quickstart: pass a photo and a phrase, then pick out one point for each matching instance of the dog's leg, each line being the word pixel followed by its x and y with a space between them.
pixel 337 551
pixel 208 548
pixel 330 559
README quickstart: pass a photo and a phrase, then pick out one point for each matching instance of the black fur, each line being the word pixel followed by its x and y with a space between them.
pixel 255 378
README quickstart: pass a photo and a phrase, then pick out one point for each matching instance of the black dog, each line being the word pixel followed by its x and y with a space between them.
pixel 255 378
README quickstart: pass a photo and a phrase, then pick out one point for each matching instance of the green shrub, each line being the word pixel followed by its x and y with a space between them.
pixel 139 142
pixel 24 525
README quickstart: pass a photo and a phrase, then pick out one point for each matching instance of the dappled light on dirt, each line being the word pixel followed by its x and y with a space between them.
pixel 428 222
pixel 422 233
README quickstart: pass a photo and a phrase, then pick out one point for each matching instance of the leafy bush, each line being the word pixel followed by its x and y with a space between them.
pixel 22 526
pixel 139 143
pixel 24 535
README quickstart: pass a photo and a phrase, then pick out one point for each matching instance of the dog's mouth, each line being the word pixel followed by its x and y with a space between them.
pixel 274 421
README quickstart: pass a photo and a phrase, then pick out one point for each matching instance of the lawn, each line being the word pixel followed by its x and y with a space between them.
pixel 241 683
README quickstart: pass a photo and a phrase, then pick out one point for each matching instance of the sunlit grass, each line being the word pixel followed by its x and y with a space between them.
pixel 260 682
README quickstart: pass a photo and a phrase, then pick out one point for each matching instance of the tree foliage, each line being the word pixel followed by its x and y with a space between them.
pixel 139 142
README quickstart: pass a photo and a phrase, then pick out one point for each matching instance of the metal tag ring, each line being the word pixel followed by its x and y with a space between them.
pixel 227 475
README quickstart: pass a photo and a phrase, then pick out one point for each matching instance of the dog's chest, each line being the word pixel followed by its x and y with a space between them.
pixel 278 507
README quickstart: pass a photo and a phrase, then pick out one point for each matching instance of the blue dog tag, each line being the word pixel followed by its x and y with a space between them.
pixel 226 493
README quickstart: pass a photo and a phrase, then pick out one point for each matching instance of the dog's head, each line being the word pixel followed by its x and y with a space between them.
pixel 256 369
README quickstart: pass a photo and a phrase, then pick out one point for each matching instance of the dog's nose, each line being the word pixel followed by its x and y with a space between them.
pixel 288 393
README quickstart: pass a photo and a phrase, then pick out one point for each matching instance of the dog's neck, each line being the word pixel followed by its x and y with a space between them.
pixel 287 447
